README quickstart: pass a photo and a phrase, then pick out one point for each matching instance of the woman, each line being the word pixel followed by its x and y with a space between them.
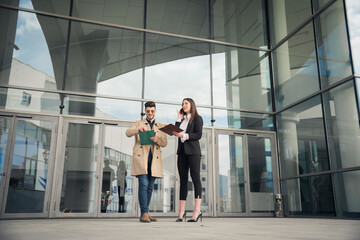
pixel 189 155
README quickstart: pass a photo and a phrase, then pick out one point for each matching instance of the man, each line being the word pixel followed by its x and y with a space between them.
pixel 147 163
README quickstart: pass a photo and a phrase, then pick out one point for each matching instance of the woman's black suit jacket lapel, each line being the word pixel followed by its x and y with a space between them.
pixel 194 129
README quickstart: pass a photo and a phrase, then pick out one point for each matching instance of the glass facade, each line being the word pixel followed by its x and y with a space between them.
pixel 285 67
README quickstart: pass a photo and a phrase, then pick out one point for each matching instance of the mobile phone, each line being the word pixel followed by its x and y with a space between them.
pixel 182 111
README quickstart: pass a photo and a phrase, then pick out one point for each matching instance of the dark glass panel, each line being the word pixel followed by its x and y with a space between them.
pixel 185 17
pixel 333 47
pixel 104 60
pixel 243 120
pixel 342 122
pixel 102 107
pixel 33 50
pixel 308 196
pixel 285 16
pixel 52 6
pixel 123 12
pixel 241 78
pixel 347 194
pixel 25 100
pixel 295 68
pixel 302 144
pixel 240 22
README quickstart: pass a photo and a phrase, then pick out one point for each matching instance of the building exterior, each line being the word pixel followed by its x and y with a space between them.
pixel 276 82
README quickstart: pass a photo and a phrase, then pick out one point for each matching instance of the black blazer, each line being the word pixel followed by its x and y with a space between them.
pixel 194 129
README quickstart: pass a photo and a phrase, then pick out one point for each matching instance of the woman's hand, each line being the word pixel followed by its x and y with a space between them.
pixel 180 115
pixel 178 134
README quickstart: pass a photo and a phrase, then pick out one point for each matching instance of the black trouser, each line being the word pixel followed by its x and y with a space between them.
pixel 186 162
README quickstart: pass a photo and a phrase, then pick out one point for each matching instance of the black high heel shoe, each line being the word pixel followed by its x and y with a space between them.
pixel 183 218
pixel 197 218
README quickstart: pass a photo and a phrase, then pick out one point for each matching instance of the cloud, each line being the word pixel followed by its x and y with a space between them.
pixel 27 22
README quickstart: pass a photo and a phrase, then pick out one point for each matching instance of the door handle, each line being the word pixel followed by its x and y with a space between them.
pixel 94 122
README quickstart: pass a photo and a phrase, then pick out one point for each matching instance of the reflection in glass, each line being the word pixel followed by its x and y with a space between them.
pixel 261 175
pixel 342 121
pixel 347 194
pixel 308 196
pixel 35 49
pixel 204 177
pixel 102 107
pixel 285 16
pixel 241 78
pixel 104 60
pixel 4 134
pixel 244 120
pixel 301 139
pixel 177 68
pixel 117 182
pixel 167 113
pixel 163 198
pixel 240 22
pixel 123 12
pixel 352 11
pixel 53 6
pixel 231 174
pixel 29 168
pixel 185 17
pixel 25 100
pixel 295 68
pixel 79 174
pixel 333 48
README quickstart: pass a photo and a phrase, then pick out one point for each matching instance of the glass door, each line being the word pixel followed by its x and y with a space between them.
pixel 246 173
pixel 95 170
pixel 27 159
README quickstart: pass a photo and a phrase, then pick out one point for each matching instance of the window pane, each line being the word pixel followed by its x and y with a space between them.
pixel 347 194
pixel 295 68
pixel 333 48
pixel 308 196
pixel 104 60
pixel 40 101
pixel 302 139
pixel 285 16
pixel 241 78
pixel 342 126
pixel 123 12
pixel 185 17
pixel 177 68
pixel 240 22
pixel 244 120
pixel 102 107
pixel 167 113
pixel 34 47
pixel 319 4
pixel 53 6
pixel 353 9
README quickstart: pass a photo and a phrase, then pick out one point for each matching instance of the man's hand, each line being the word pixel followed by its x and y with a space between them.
pixel 142 129
pixel 154 139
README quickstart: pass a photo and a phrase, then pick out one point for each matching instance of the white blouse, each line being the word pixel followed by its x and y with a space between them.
pixel 184 125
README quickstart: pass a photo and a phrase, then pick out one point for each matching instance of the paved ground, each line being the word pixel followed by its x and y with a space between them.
pixel 166 228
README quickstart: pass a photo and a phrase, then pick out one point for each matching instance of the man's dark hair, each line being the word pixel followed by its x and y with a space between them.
pixel 150 104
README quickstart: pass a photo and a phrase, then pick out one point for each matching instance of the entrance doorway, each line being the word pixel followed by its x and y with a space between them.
pixel 27 150
pixel 246 173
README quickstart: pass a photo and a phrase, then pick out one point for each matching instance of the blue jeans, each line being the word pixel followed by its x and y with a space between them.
pixel 146 187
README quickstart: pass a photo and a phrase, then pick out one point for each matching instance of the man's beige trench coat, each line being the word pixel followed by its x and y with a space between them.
pixel 141 153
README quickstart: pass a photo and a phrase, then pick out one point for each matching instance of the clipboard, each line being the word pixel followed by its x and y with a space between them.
pixel 145 137
pixel 168 129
